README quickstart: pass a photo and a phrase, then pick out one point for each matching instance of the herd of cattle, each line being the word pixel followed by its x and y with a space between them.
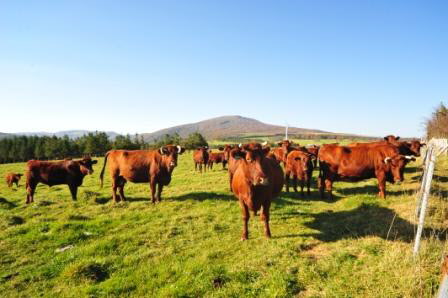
pixel 255 173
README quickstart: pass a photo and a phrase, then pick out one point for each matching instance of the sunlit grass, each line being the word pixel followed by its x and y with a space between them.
pixel 188 245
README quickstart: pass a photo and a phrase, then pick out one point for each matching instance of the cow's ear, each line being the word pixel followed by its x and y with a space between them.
pixel 220 148
pixel 397 138
pixel 280 143
pixel 423 144
pixel 385 138
pixel 94 161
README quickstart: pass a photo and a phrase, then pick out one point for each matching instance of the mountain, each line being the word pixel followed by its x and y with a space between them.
pixel 72 134
pixel 231 126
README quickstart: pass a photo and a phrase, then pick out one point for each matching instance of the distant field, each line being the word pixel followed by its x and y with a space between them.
pixel 188 245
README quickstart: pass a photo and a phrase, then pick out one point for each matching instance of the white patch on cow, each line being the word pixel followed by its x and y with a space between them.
pixel 386 160
pixel 179 149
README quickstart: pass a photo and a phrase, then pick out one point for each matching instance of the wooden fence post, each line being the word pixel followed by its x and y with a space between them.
pixel 424 199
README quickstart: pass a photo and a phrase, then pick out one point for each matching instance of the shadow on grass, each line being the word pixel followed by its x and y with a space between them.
pixel 442 179
pixel 291 198
pixel 366 220
pixel 372 190
pixel 5 204
pixel 203 196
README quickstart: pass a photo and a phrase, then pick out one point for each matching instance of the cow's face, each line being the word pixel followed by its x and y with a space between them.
pixel 415 146
pixel 396 165
pixel 392 139
pixel 253 166
pixel 226 149
pixel 169 156
pixel 86 165
pixel 304 160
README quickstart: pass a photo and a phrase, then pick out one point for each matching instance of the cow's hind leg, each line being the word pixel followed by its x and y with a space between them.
pixel 329 187
pixel 30 189
pixel 152 185
pixel 294 182
pixel 120 185
pixel 264 216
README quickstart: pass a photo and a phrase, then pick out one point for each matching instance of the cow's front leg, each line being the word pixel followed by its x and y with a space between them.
pixel 246 216
pixel 159 191
pixel 153 184
pixel 73 190
pixel 381 185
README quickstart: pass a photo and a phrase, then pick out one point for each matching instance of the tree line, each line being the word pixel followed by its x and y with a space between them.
pixel 437 124
pixel 24 148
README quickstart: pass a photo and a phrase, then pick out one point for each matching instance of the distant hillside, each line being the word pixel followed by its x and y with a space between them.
pixel 232 126
pixel 72 134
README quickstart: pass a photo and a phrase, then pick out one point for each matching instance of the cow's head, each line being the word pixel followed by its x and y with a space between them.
pixel 253 155
pixel 415 146
pixel 86 165
pixel 303 158
pixel 169 155
pixel 396 165
pixel 392 139
pixel 227 149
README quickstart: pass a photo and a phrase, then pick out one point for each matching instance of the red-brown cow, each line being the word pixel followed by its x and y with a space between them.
pixel 70 172
pixel 281 152
pixel 406 148
pixel 141 166
pixel 256 181
pixel 13 178
pixel 216 157
pixel 356 163
pixel 200 157
pixel 299 164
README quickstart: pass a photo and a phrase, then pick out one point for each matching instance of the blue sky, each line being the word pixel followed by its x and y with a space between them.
pixel 365 67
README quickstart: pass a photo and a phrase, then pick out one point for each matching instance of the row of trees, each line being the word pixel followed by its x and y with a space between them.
pixel 23 148
pixel 437 124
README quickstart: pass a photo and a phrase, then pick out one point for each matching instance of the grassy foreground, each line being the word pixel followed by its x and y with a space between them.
pixel 188 245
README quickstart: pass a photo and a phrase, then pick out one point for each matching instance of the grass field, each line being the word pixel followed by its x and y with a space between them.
pixel 189 244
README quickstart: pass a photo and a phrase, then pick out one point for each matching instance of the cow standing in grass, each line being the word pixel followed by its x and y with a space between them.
pixel 282 151
pixel 215 158
pixel 13 178
pixel 299 164
pixel 70 172
pixel 141 166
pixel 356 163
pixel 256 181
pixel 200 157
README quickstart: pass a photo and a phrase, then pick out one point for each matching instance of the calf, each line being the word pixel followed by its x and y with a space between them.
pixel 70 172
pixel 282 151
pixel 200 157
pixel 300 165
pixel 141 166
pixel 256 181
pixel 13 178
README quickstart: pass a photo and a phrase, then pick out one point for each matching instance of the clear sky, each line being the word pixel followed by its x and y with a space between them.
pixel 365 67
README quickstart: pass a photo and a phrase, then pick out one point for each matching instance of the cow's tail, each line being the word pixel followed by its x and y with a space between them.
pixel 102 170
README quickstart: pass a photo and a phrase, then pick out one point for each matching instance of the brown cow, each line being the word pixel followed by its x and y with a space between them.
pixel 13 178
pixel 216 157
pixel 356 163
pixel 141 166
pixel 70 172
pixel 406 148
pixel 282 151
pixel 300 165
pixel 256 181
pixel 200 157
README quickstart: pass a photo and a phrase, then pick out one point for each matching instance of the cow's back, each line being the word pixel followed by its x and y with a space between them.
pixel 133 165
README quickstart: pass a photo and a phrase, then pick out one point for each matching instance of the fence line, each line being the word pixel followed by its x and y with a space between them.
pixel 435 147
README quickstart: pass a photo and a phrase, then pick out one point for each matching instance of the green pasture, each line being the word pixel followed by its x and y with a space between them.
pixel 189 244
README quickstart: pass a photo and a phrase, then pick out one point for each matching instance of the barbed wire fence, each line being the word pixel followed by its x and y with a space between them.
pixel 434 149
